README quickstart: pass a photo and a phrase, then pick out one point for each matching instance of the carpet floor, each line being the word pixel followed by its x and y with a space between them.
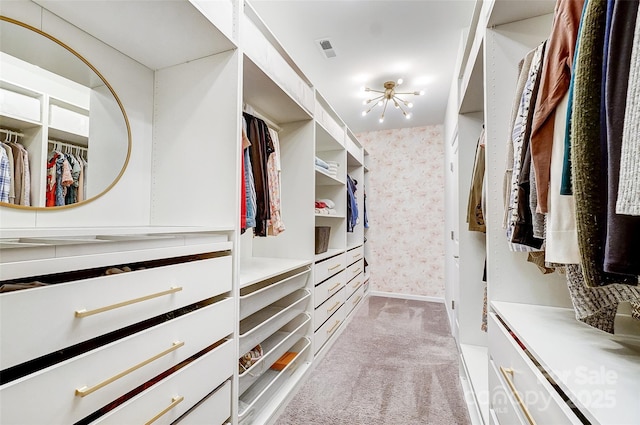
pixel 395 363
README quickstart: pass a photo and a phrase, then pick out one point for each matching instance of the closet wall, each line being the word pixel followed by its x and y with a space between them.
pixel 515 373
pixel 407 204
pixel 195 68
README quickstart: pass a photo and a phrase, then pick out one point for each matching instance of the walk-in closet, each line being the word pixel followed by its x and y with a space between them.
pixel 194 230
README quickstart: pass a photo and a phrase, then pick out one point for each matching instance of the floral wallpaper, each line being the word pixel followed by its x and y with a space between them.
pixel 405 208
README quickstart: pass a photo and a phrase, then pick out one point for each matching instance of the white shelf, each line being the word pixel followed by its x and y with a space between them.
pixel 330 215
pixel 507 11
pixel 476 364
pixel 48 232
pixel 257 269
pixel 593 368
pixel 329 253
pixel 324 179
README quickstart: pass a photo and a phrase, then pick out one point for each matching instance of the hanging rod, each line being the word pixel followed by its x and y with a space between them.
pixel 69 145
pixel 11 132
pixel 251 110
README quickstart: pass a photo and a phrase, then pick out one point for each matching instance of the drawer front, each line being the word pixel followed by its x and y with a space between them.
pixel 355 284
pixel 355 269
pixel 214 410
pixel 329 267
pixel 41 320
pixel 329 287
pixel 504 409
pixel 323 312
pixel 355 254
pixel 191 383
pixel 326 331
pixel 355 298
pixel 513 365
pixel 71 390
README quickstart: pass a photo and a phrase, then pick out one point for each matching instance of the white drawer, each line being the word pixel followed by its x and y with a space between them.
pixel 503 406
pixel 322 313
pixel 355 284
pixel 322 335
pixel 260 295
pixel 264 323
pixel 214 409
pixel 355 269
pixel 38 321
pixel 328 288
pixel 329 267
pixel 513 365
pixel 193 382
pixel 355 298
pixel 355 254
pixel 148 353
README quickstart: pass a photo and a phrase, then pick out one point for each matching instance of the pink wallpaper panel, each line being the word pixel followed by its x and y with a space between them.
pixel 405 207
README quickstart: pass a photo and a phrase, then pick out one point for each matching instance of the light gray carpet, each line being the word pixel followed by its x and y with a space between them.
pixel 395 363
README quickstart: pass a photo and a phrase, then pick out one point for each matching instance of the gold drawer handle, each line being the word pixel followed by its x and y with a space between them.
pixel 334 307
pixel 333 328
pixel 85 313
pixel 335 267
pixel 357 287
pixel 174 402
pixel 357 255
pixel 334 286
pixel 356 271
pixel 508 375
pixel 357 300
pixel 86 391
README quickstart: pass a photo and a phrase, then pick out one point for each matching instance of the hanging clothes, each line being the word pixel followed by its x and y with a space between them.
pixel 249 184
pixel 622 243
pixel 629 185
pixel 51 188
pixel 475 218
pixel 521 131
pixel 12 190
pixel 588 156
pixel 554 83
pixel 352 204
pixel 5 176
pixel 274 168
pixel 525 67
pixel 260 150
pixel 22 174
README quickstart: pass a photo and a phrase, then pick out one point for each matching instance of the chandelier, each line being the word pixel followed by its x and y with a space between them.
pixel 389 94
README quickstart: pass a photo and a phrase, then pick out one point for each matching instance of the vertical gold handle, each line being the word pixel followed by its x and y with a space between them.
pixel 508 375
pixel 85 313
pixel 88 390
pixel 174 402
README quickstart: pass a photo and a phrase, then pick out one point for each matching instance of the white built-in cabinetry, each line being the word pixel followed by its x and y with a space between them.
pixel 537 364
pixel 201 293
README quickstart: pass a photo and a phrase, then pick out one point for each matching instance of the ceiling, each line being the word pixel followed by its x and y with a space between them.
pixel 374 41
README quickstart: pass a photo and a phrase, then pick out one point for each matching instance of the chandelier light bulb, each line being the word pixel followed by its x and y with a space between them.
pixel 388 95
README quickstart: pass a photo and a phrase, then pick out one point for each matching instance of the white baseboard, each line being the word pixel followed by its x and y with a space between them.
pixel 407 296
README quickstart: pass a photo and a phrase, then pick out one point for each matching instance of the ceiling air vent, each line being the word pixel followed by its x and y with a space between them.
pixel 326 47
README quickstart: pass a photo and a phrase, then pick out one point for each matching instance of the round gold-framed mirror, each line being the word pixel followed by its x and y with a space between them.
pixel 65 135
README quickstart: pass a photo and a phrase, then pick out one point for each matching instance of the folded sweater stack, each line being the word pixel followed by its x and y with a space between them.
pixel 327 167
pixel 326 207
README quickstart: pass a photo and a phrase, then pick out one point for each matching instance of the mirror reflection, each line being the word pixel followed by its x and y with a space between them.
pixel 65 136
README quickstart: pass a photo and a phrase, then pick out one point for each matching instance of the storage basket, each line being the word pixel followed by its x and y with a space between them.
pixel 322 238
